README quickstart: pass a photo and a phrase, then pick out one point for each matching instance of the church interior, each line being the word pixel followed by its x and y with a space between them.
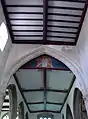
pixel 43 59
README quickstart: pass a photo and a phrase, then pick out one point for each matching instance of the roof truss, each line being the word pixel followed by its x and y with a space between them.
pixel 57 27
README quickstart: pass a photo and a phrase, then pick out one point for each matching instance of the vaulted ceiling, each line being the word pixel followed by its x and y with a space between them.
pixel 44 21
pixel 44 83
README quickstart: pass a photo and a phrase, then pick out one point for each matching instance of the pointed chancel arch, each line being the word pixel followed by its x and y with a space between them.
pixel 42 81
pixel 12 67
pixel 79 108
pixel 68 113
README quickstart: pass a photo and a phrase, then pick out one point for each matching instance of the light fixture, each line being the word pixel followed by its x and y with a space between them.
pixel 3 36
pixel 49 117
pixel 45 118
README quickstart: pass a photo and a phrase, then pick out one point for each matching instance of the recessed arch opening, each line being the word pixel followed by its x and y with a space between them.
pixel 9 106
pixel 79 108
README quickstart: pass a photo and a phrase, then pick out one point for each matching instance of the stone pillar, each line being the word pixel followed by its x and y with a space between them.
pixel 85 97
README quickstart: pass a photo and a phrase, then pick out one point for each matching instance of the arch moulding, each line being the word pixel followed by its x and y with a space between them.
pixel 59 55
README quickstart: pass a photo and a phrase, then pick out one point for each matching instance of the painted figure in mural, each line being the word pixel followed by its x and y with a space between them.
pixel 44 61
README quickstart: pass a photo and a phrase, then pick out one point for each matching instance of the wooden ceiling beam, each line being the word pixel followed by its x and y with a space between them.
pixel 53 103
pixel 45 17
pixel 78 1
pixel 38 13
pixel 33 103
pixel 45 111
pixel 34 41
pixel 44 83
pixel 67 8
pixel 50 90
pixel 24 6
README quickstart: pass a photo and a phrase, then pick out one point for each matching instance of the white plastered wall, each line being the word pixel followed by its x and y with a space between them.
pixel 82 49
pixel 82 46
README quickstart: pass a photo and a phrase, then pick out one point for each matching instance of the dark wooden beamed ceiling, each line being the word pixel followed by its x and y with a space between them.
pixel 55 22
pixel 45 89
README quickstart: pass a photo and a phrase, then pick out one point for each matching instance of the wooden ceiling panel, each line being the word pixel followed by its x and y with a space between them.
pixel 52 13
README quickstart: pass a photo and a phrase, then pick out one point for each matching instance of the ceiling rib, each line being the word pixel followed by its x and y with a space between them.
pixel 61 37
pixel 61 69
pixel 62 32
pixel 45 15
pixel 27 30
pixel 3 107
pixel 68 21
pixel 44 83
pixel 6 100
pixel 34 41
pixel 45 111
pixel 25 13
pixel 28 35
pixel 24 6
pixel 68 8
pixel 59 14
pixel 54 103
pixel 33 103
pixel 52 90
pixel 78 1
pixel 25 25
pixel 26 19
pixel 57 26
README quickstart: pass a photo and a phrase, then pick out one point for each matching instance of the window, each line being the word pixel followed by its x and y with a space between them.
pixel 45 116
pixel 5 116
pixel 3 36
pixel 9 107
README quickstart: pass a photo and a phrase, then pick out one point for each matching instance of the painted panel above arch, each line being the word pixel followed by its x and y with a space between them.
pixel 45 61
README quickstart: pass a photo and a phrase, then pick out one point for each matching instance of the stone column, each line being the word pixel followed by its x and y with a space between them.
pixel 85 97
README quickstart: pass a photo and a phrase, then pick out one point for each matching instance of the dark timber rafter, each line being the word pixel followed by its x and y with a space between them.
pixel 47 89
pixel 45 17
pixel 45 93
